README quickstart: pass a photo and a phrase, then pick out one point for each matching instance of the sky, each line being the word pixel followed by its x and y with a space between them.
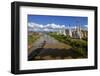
pixel 48 21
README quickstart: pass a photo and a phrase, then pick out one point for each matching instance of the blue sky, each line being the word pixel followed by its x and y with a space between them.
pixel 61 20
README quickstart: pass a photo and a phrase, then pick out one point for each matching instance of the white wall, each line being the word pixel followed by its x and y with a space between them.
pixel 5 27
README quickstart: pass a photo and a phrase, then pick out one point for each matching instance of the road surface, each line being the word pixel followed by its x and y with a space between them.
pixel 46 47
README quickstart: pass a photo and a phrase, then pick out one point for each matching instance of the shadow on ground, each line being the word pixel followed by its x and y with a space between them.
pixel 53 54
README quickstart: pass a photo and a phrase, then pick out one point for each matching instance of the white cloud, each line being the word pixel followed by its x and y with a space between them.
pixel 35 25
pixel 86 25
pixel 48 27
pixel 52 25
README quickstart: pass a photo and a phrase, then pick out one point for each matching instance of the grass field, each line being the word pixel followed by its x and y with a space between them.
pixel 79 45
pixel 31 39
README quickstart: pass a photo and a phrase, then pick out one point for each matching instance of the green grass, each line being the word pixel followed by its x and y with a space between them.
pixel 79 45
pixel 32 38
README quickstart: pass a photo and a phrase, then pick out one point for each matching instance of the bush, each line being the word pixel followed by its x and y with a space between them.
pixel 85 39
pixel 32 38
pixel 68 40
pixel 80 46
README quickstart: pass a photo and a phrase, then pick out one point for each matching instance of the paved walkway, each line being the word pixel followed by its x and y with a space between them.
pixel 46 48
pixel 46 41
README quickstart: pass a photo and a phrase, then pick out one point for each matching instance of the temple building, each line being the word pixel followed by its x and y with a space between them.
pixel 76 32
